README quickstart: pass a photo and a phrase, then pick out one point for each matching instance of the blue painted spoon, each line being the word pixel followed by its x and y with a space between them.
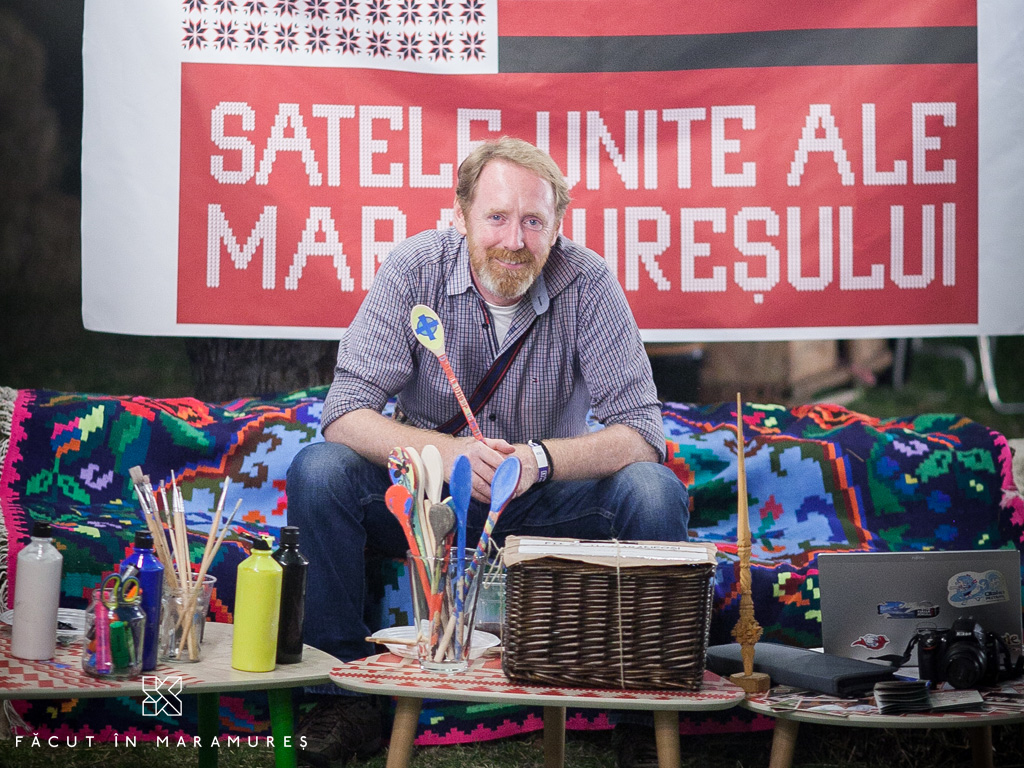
pixel 461 487
pixel 503 486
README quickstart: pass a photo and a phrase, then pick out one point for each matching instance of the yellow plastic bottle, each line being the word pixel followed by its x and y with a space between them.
pixel 257 607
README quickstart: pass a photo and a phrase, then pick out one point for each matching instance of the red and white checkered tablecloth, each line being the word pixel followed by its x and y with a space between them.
pixel 392 675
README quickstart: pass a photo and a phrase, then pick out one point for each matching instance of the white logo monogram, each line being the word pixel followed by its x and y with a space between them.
pixel 161 700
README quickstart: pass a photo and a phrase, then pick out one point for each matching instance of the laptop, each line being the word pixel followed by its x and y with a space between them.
pixel 872 603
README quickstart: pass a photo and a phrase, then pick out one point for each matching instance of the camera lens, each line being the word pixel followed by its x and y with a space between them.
pixel 964 664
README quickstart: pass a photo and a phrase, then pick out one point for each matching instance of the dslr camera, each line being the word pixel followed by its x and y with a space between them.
pixel 965 655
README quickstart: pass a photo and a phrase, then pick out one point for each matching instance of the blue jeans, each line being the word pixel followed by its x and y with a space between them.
pixel 336 497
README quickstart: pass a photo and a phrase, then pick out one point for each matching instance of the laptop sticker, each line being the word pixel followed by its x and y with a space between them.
pixel 897 609
pixel 871 641
pixel 969 588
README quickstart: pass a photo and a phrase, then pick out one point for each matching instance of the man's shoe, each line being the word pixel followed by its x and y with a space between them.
pixel 337 729
pixel 635 746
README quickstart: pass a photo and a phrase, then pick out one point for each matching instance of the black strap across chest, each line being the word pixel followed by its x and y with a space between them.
pixel 487 386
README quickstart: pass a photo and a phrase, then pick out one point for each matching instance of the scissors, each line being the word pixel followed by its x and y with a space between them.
pixel 114 590
pixel 117 589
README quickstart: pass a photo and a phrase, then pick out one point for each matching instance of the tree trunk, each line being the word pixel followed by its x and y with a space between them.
pixel 224 369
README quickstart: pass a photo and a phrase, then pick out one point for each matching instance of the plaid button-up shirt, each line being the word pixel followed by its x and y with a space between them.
pixel 583 351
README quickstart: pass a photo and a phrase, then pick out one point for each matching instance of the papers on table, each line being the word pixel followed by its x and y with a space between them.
pixel 900 697
pixel 621 554
pixel 914 696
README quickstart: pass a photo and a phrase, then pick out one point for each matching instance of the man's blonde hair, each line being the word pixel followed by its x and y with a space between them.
pixel 517 152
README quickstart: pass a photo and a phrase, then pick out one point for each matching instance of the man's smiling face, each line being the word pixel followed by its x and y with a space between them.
pixel 510 228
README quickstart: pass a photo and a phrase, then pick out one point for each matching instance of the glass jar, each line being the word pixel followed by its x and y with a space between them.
pixel 182 618
pixel 490 601
pixel 115 626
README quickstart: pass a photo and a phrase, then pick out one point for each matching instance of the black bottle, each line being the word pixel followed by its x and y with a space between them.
pixel 293 596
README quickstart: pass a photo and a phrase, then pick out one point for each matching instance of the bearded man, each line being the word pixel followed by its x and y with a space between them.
pixel 544 324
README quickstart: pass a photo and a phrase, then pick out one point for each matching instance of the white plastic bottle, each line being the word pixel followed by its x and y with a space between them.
pixel 37 597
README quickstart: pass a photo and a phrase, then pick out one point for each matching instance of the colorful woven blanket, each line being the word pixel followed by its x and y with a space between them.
pixel 69 457
pixel 820 478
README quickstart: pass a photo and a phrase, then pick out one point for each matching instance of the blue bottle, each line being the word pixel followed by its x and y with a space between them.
pixel 146 566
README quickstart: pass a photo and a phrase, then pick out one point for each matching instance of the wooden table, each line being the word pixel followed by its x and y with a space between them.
pixel 62 678
pixel 390 675
pixel 999 709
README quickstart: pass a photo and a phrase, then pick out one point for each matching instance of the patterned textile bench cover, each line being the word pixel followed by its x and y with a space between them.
pixel 820 478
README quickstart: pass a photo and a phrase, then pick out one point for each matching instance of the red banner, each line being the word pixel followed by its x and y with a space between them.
pixel 758 197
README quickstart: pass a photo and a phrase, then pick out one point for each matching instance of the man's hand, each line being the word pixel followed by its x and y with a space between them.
pixel 500 450
pixel 484 456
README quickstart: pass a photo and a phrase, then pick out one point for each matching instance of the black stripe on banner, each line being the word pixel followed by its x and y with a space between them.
pixel 788 48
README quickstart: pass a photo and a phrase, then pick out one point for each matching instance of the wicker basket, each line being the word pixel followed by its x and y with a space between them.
pixel 577 624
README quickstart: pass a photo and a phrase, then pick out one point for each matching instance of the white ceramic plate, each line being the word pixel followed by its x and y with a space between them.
pixel 481 641
pixel 70 623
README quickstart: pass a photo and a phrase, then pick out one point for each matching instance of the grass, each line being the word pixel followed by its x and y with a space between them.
pixel 937 383
pixel 818 746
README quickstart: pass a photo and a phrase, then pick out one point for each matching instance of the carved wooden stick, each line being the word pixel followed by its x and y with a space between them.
pixel 747 631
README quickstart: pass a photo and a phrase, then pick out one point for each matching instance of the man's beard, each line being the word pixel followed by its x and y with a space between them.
pixel 504 282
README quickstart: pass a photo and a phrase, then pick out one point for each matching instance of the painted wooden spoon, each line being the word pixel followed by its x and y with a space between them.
pixel 503 486
pixel 420 513
pixel 461 486
pixel 406 470
pixel 400 469
pixel 433 466
pixel 442 522
pixel 430 333
pixel 399 503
